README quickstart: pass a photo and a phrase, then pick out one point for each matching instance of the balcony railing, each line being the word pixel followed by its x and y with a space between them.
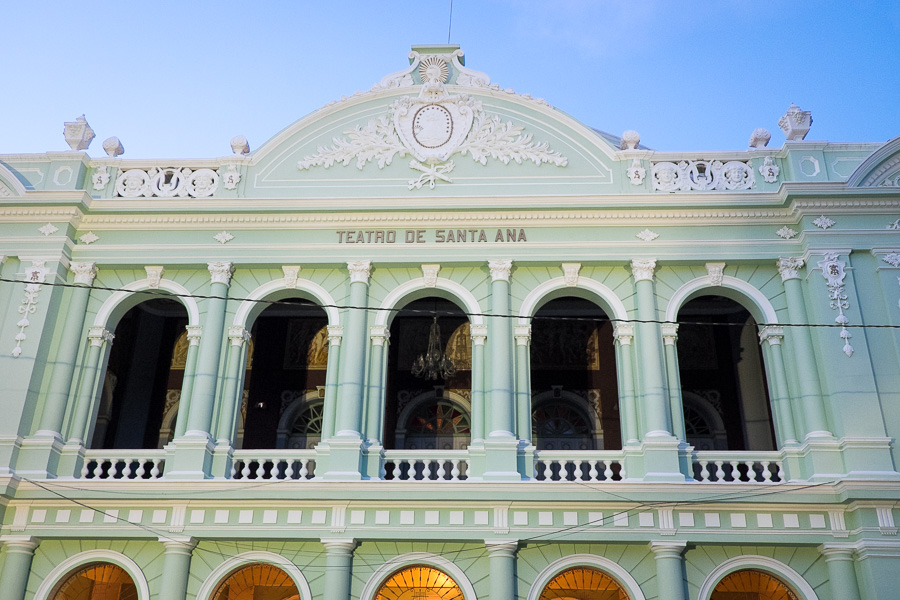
pixel 425 465
pixel 298 465
pixel 111 464
pixel 738 467
pixel 578 465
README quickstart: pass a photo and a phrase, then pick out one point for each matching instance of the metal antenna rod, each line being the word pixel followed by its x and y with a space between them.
pixel 450 22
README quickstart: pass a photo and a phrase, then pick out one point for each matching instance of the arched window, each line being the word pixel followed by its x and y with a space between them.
pixel 726 398
pixel 139 376
pixel 97 581
pixel 257 581
pixel 419 582
pixel 751 584
pixel 434 421
pixel 573 377
pixel 306 428
pixel 583 583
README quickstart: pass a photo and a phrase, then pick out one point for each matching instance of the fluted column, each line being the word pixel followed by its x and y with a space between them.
pixel 624 335
pixel 50 424
pixel 97 337
pixel 676 405
pixel 353 359
pixel 784 416
pixel 380 337
pixel 841 571
pixel 479 338
pixel 653 389
pixel 669 569
pixel 335 333
pixel 19 551
pixel 176 566
pixel 187 385
pixel 523 381
pixel 502 569
pixel 807 371
pixel 338 567
pixel 238 338
pixel 500 399
pixel 204 388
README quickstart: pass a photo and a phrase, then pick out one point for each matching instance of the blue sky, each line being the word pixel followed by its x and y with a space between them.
pixel 180 79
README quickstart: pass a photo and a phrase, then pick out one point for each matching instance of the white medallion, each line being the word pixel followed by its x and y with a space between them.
pixel 432 126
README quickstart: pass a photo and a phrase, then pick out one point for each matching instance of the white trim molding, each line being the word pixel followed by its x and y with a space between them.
pixel 53 578
pixel 247 558
pixel 760 307
pixel 296 287
pixel 416 558
pixel 600 563
pixel 116 298
pixel 760 563
pixel 608 301
pixel 460 294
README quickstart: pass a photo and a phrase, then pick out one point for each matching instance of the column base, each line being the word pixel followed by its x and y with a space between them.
pixel 71 459
pixel 339 459
pixel 222 460
pixel 10 445
pixel 658 459
pixel 189 457
pixel 39 457
pixel 502 459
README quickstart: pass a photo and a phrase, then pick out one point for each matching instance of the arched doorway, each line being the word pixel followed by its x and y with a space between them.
pixel 722 377
pixel 257 581
pixel 290 354
pixel 96 581
pixel 425 410
pixel 583 583
pixel 419 582
pixel 752 584
pixel 573 377
pixel 139 376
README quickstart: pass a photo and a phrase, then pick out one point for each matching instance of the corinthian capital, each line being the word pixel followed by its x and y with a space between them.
pixel 84 272
pixel 642 269
pixel 221 272
pixel 359 270
pixel 500 269
pixel 789 268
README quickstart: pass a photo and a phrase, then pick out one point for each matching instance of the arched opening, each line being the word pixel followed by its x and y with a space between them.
pixel 419 582
pixel 726 398
pixel 97 581
pixel 583 583
pixel 573 378
pixel 257 581
pixel 139 376
pixel 752 584
pixel 428 409
pixel 290 354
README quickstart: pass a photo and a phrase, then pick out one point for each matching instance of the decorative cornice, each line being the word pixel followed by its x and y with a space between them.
pixel 669 333
pixel 221 272
pixel 500 268
pixel 380 335
pixel 193 334
pixel 624 334
pixel 789 268
pixel 642 269
pixel 774 334
pixel 478 334
pixel 100 335
pixel 335 334
pixel 523 334
pixel 360 270
pixel 238 336
pixel 85 272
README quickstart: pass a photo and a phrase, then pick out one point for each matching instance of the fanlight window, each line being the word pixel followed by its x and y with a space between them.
pixel 583 583
pixel 558 419
pixel 97 581
pixel 438 418
pixel 257 581
pixel 750 584
pixel 420 583
pixel 309 422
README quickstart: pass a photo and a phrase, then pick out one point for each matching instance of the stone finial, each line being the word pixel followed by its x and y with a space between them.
pixel 240 145
pixel 78 133
pixel 760 138
pixel 630 139
pixel 795 123
pixel 113 147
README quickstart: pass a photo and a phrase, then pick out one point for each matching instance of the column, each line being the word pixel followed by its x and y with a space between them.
pixel 669 569
pixel 801 340
pixel 353 363
pixel 523 382
pixel 479 337
pixel 19 551
pixel 624 334
pixel 54 411
pixel 676 405
pixel 784 416
pixel 653 391
pixel 338 567
pixel 841 571
pixel 335 332
pixel 502 569
pixel 176 566
pixel 80 425
pixel 502 405
pixel 203 393
pixel 190 366
pixel 380 337
pixel 238 338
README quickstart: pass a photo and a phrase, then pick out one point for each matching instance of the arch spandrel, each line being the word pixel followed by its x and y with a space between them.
pixel 880 169
pixel 10 186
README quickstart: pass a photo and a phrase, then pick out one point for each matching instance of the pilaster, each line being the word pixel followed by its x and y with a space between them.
pixel 841 570
pixel 176 566
pixel 338 567
pixel 229 402
pixel 502 557
pixel 19 553
pixel 670 576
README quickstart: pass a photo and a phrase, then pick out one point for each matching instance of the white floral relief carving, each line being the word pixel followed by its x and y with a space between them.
pixel 231 178
pixel 89 238
pixel 895 225
pixel 702 175
pixel 834 274
pixel 647 235
pixel 48 229
pixel 786 233
pixel 823 222
pixel 891 181
pixel 169 182
pixel 636 172
pixel 769 170
pixel 892 259
pixel 100 177
pixel 35 276
pixel 223 237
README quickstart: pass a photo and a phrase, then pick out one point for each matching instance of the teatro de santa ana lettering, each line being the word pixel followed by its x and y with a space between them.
pixel 439 340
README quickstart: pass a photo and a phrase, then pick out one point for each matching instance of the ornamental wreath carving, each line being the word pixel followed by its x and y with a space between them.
pixel 431 128
pixel 702 175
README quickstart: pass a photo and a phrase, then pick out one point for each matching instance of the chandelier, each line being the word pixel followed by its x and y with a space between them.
pixel 434 364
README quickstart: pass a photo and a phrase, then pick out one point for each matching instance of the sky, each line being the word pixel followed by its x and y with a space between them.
pixel 180 79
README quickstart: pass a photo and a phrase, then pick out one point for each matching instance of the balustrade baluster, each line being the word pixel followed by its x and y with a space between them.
pixel 304 468
pixel 576 471
pixel 426 470
pixel 441 471
pixel 454 471
pixel 592 474
pixel 245 472
pixel 720 472
pixel 84 469
pixel 126 468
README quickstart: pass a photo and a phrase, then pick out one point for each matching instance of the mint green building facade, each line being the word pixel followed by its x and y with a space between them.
pixel 438 186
